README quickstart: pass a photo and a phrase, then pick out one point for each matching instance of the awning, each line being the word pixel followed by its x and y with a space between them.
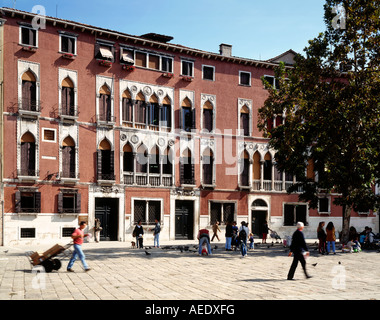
pixel 127 57
pixel 106 52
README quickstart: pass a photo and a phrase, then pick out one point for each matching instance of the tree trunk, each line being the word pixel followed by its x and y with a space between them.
pixel 346 214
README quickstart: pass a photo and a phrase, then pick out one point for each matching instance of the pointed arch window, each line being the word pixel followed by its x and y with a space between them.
pixel 140 110
pixel 154 161
pixel 166 113
pixel 142 160
pixel 127 107
pixel 187 115
pixel 29 92
pixel 187 168
pixel 128 164
pixel 256 171
pixel 154 111
pixel 167 162
pixel 244 121
pixel 208 116
pixel 208 167
pixel 244 169
pixel 68 158
pixel 67 98
pixel 28 155
pixel 105 161
pixel 105 112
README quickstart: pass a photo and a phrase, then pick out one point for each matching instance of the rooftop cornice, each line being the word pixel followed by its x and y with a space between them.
pixel 140 40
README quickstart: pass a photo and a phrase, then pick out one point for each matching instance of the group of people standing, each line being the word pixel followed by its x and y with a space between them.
pixel 326 238
pixel 138 234
pixel 235 237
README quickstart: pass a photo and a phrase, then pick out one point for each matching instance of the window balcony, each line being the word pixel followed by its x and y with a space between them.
pixel 105 120
pixel 28 174
pixel 151 180
pixel 69 114
pixel 106 178
pixel 29 108
pixel 69 177
pixel 188 182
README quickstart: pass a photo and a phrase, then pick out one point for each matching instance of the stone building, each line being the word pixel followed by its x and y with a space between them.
pixel 101 124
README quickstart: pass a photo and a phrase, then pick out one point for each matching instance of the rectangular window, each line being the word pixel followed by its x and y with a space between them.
pixel 28 36
pixel 127 56
pixel 104 51
pixel 272 81
pixel 154 62
pixel 68 44
pixel 294 213
pixel 208 73
pixel 323 205
pixel 67 232
pixel 146 211
pixel 245 78
pixel 48 135
pixel 27 201
pixel 167 64
pixel 69 202
pixel 27 233
pixel 140 59
pixel 187 68
pixel 222 211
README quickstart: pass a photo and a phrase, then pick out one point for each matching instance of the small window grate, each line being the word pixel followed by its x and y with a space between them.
pixel 67 232
pixel 28 233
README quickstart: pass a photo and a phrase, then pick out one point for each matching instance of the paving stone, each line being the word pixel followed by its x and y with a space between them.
pixel 171 275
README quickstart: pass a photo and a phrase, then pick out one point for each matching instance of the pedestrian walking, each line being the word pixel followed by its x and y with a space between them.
pixel 97 229
pixel 77 237
pixel 321 234
pixel 204 239
pixel 215 230
pixel 243 235
pixel 299 250
pixel 138 232
pixel 156 233
pixel 330 237
pixel 228 236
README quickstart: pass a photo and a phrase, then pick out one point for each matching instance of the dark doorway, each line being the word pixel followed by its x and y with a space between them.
pixel 107 211
pixel 184 219
pixel 258 219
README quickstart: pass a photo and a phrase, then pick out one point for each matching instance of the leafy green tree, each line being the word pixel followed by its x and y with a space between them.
pixel 330 99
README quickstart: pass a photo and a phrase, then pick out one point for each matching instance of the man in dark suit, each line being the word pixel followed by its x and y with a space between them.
pixel 299 250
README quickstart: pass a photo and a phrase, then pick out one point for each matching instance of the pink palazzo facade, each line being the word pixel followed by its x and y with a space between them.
pixel 102 124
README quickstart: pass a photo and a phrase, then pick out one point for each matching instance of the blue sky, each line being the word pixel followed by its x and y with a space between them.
pixel 256 29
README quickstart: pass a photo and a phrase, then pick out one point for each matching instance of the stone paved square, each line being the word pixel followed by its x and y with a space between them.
pixel 169 274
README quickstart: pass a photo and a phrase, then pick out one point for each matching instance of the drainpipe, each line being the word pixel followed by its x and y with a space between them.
pixel 2 22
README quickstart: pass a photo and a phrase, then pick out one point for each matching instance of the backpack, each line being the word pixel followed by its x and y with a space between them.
pixel 242 234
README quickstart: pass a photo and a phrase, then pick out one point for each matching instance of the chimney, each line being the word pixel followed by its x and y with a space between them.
pixel 225 50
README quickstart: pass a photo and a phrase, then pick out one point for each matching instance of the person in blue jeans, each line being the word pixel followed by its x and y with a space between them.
pixel 243 235
pixel 156 232
pixel 204 237
pixel 228 236
pixel 78 236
